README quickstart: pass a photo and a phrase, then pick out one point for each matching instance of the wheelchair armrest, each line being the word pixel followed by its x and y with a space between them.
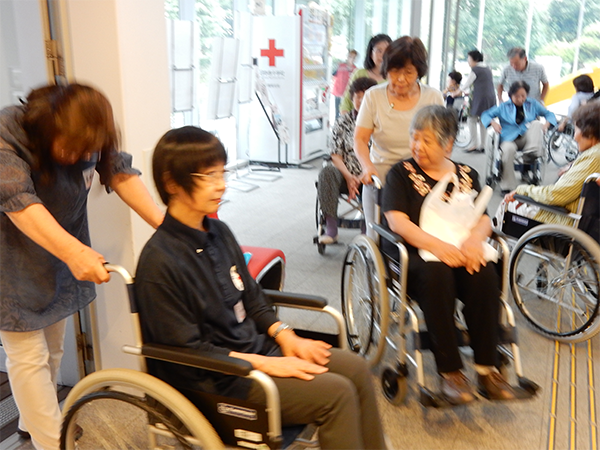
pixel 551 208
pixel 279 298
pixel 216 362
pixel 387 234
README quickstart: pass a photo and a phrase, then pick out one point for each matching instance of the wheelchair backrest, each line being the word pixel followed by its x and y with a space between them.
pixel 589 207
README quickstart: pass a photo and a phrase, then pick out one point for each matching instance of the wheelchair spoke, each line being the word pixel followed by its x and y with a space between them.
pixel 362 299
pixel 555 285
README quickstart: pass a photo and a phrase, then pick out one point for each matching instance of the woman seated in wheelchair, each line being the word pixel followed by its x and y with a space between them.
pixel 458 272
pixel 519 130
pixel 343 175
pixel 195 291
pixel 566 191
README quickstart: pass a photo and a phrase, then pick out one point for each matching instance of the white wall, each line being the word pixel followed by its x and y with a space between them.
pixel 22 56
pixel 120 47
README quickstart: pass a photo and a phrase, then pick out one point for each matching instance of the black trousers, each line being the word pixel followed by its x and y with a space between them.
pixel 436 286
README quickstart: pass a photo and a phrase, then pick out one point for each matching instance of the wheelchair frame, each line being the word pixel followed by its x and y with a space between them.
pixel 386 307
pixel 171 414
pixel 567 272
pixel 561 145
pixel 494 162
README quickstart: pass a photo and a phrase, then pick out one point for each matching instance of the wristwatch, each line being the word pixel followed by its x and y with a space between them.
pixel 280 328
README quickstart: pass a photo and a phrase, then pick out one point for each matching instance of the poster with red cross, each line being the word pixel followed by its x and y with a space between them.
pixel 276 49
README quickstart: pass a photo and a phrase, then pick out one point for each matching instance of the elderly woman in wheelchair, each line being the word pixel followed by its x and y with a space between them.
pixel 554 265
pixel 198 294
pixel 567 189
pixel 342 176
pixel 458 272
pixel 519 130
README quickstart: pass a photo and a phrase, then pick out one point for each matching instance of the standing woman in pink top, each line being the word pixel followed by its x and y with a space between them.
pixel 341 77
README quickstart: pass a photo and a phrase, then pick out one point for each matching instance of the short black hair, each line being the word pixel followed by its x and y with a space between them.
pixel 402 51
pixel 476 55
pixel 456 76
pixel 369 64
pixel 587 119
pixel 181 152
pixel 583 83
pixel 361 85
pixel 516 51
pixel 516 86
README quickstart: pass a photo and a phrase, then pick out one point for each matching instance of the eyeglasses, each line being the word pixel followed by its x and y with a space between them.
pixel 213 177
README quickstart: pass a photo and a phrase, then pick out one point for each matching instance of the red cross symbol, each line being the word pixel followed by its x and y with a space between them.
pixel 271 52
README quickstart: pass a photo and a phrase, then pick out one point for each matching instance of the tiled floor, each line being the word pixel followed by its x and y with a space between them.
pixel 280 214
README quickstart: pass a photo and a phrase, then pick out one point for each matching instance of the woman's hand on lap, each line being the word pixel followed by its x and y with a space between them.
pixel 353 184
pixel 448 254
pixel 472 249
pixel 289 367
pixel 316 352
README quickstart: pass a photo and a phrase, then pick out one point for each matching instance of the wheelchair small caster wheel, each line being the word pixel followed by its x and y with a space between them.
pixel 394 385
pixel 529 386
pixel 321 248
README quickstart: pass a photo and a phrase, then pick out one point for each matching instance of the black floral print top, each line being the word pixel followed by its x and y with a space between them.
pixel 407 185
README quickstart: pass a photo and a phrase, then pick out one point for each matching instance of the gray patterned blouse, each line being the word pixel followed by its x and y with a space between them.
pixel 36 288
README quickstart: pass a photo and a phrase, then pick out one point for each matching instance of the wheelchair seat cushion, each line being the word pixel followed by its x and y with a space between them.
pixel 262 258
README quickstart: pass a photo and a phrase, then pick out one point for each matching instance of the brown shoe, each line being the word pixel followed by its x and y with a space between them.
pixel 495 387
pixel 456 388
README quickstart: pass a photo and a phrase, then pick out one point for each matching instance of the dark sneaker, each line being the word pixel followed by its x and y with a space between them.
pixel 455 388
pixel 495 387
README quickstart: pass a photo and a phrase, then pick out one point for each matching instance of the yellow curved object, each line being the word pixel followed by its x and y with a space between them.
pixel 564 89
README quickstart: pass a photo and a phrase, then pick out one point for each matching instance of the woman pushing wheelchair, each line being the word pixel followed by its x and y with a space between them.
pixel 456 272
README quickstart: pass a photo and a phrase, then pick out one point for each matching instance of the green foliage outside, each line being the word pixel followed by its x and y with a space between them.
pixel 554 30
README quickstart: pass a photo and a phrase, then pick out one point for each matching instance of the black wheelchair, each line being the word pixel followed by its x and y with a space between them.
pixel 379 315
pixel 350 213
pixel 531 167
pixel 124 408
pixel 555 269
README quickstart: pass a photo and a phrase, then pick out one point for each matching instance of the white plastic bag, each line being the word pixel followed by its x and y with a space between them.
pixel 452 221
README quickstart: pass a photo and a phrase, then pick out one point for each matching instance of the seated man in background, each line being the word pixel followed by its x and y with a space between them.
pixel 195 291
pixel 519 129
pixel 343 175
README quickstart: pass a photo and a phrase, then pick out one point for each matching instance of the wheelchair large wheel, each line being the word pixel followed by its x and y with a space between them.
pixel 562 147
pixel 127 409
pixel 555 281
pixel 463 137
pixel 493 170
pixel 365 301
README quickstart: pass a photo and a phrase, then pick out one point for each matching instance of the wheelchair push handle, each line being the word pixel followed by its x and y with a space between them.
pixel 376 182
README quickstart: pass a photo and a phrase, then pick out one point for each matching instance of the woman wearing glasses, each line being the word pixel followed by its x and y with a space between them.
pixel 387 111
pixel 50 148
pixel 195 292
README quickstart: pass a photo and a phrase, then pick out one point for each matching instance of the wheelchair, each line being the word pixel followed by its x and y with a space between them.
pixel 561 145
pixel 554 269
pixel 350 214
pixel 124 408
pixel 463 137
pixel 531 168
pixel 379 315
